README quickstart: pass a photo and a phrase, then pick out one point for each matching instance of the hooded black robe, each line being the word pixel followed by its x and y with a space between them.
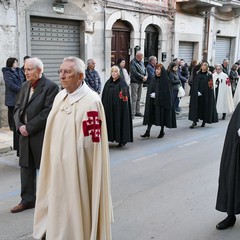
pixel 116 102
pixel 203 107
pixel 160 111
pixel 228 197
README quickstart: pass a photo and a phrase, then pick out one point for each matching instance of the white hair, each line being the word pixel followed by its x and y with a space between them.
pixel 37 63
pixel 79 65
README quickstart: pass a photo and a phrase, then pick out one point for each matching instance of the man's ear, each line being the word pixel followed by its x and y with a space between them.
pixel 81 76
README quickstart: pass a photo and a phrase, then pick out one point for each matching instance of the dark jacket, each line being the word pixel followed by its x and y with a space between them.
pixel 174 81
pixel 36 111
pixel 137 71
pixel 116 103
pixel 228 197
pixel 160 110
pixel 203 107
pixel 13 81
pixel 151 72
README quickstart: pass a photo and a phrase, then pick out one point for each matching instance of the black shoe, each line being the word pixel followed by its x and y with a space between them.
pixel 194 124
pixel 121 144
pixel 146 134
pixel 161 135
pixel 139 114
pixel 224 116
pixel 229 221
pixel 203 124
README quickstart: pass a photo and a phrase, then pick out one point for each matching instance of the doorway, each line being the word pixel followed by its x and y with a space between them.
pixel 151 43
pixel 120 42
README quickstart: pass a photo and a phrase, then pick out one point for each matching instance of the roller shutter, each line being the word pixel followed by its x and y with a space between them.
pixel 186 51
pixel 52 40
pixel 223 45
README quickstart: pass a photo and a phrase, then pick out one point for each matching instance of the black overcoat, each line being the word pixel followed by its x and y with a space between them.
pixel 160 111
pixel 36 110
pixel 228 197
pixel 116 102
pixel 203 107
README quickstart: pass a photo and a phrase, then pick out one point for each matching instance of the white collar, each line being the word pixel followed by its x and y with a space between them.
pixel 79 93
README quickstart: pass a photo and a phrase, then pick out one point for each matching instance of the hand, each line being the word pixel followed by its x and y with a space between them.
pixel 23 131
pixel 145 78
pixel 238 132
pixel 153 95
pixel 199 94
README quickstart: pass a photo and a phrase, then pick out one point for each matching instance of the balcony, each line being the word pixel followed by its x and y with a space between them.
pixel 197 5
pixel 229 5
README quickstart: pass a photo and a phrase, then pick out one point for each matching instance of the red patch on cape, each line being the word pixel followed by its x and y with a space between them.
pixel 92 126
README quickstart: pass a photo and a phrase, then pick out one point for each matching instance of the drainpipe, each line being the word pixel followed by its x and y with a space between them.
pixel 206 36
pixel 17 31
pixel 104 41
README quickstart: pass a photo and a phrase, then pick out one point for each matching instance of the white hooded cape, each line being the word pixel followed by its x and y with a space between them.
pixel 73 195
pixel 225 99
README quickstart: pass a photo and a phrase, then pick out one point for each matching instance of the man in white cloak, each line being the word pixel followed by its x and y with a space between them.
pixel 73 194
pixel 223 92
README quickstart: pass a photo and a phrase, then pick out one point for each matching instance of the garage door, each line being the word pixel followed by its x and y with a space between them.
pixel 186 51
pixel 223 45
pixel 52 40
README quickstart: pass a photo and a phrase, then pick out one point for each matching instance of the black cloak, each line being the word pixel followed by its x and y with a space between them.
pixel 116 102
pixel 203 107
pixel 160 111
pixel 228 197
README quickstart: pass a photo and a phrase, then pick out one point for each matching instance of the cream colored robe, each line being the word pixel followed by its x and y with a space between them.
pixel 73 194
pixel 225 99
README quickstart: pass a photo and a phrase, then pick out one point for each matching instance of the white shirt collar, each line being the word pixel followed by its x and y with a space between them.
pixel 79 93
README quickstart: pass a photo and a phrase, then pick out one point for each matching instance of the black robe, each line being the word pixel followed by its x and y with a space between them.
pixel 203 107
pixel 160 111
pixel 228 197
pixel 116 102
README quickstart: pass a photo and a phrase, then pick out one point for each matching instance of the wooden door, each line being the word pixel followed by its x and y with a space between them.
pixel 120 43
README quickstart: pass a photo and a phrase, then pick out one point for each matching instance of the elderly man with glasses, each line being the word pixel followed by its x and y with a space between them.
pixel 73 197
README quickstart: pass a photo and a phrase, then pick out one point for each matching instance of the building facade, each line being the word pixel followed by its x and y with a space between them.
pixel 108 30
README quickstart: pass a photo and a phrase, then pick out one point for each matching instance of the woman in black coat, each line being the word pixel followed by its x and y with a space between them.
pixel 13 78
pixel 175 85
pixel 116 102
pixel 159 109
pixel 202 101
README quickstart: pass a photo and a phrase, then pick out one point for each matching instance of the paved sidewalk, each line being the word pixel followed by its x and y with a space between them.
pixel 6 136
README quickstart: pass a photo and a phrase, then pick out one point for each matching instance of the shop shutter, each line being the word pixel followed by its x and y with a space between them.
pixel 223 45
pixel 186 51
pixel 52 40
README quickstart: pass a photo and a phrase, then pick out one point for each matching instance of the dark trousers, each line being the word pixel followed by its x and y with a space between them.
pixel 10 118
pixel 28 182
pixel 175 100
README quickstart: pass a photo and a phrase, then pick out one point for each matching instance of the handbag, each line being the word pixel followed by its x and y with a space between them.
pixel 181 92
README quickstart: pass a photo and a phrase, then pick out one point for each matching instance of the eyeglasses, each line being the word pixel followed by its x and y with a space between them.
pixel 66 72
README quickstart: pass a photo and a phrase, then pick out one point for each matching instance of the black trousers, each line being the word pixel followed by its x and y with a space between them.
pixel 10 118
pixel 28 182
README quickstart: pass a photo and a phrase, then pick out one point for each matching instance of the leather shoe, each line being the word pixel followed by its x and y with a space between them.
pixel 229 221
pixel 161 135
pixel 194 124
pixel 139 114
pixel 121 145
pixel 22 207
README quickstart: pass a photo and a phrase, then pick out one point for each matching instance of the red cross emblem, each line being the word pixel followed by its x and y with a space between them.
pixel 92 126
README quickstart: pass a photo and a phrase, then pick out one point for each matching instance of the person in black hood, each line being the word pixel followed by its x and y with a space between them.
pixel 202 101
pixel 159 109
pixel 228 196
